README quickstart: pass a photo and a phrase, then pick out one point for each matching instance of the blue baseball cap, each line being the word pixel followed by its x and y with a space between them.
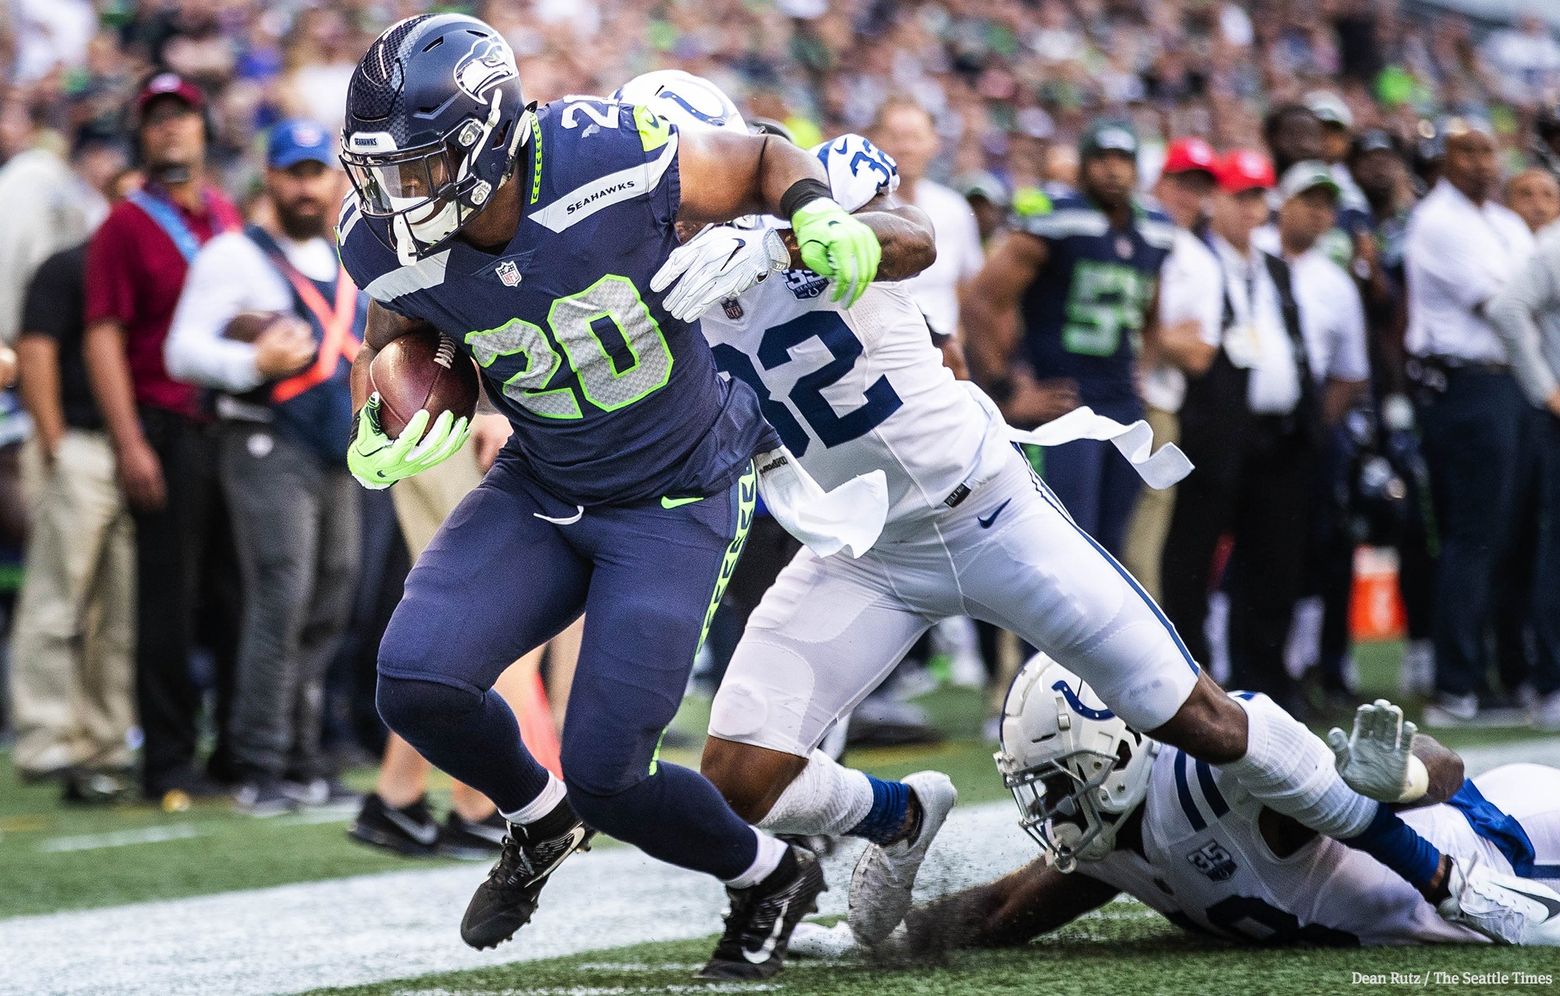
pixel 297 141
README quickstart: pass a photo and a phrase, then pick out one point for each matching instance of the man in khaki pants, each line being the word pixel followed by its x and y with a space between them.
pixel 396 815
pixel 72 647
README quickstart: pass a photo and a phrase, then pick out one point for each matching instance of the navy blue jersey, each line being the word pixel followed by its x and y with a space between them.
pixel 613 400
pixel 1084 312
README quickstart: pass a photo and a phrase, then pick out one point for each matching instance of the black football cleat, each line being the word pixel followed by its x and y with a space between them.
pixel 529 854
pixel 473 840
pixel 409 829
pixel 761 919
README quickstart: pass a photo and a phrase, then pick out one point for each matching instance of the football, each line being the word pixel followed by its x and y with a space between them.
pixel 246 326
pixel 422 370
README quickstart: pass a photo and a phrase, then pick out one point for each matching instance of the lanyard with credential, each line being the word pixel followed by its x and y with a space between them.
pixel 338 341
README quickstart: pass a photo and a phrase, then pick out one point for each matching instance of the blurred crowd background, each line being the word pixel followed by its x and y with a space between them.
pixel 997 100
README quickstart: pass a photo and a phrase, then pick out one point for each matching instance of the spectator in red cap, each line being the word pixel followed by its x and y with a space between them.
pixel 1190 293
pixel 1251 425
pixel 163 446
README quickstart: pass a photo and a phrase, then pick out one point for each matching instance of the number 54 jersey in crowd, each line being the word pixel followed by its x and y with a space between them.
pixel 861 387
pixel 613 400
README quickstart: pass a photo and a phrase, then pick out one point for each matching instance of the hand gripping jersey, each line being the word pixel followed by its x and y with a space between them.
pixel 849 388
pixel 1083 314
pixel 612 399
pixel 1210 870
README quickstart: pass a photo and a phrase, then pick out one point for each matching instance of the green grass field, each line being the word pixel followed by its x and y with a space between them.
pixel 57 858
pixel 1121 950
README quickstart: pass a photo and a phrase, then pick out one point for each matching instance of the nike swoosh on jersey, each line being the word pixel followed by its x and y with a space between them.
pixel 768 947
pixel 1549 904
pixel 670 503
pixel 424 833
pixel 986 520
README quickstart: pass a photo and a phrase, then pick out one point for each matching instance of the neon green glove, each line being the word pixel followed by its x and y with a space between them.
pixel 377 461
pixel 834 244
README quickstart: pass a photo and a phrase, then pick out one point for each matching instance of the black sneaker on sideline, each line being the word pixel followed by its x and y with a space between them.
pixel 505 901
pixel 409 830
pixel 322 793
pixel 263 797
pixel 472 840
pixel 94 788
pixel 761 919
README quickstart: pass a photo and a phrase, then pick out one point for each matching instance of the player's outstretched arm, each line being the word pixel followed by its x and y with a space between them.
pixel 1011 911
pixel 724 175
pixel 1386 758
pixel 988 306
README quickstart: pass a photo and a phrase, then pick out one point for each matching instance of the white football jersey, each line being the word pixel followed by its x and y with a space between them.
pixel 1209 869
pixel 854 388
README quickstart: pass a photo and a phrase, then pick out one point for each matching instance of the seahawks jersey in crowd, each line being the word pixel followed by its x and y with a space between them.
pixel 613 400
pixel 1084 312
pixel 857 387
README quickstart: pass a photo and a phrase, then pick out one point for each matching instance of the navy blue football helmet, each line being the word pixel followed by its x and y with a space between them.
pixel 435 119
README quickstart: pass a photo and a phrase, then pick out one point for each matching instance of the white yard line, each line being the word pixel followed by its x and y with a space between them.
pixel 122 838
pixel 403 924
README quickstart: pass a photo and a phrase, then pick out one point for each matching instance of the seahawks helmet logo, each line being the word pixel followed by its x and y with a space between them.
pixel 489 63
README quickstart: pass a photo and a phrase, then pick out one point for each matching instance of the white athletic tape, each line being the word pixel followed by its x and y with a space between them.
pixel 1159 468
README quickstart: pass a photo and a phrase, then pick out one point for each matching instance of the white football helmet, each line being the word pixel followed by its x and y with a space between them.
pixel 1074 768
pixel 690 102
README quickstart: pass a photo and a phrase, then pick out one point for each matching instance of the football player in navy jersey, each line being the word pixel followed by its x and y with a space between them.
pixel 531 235
pixel 1083 269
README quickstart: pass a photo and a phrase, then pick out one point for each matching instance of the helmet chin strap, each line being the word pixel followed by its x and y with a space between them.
pixel 411 237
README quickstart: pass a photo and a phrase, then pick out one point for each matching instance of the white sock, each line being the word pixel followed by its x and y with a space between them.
pixel 770 851
pixel 1290 770
pixel 539 807
pixel 826 798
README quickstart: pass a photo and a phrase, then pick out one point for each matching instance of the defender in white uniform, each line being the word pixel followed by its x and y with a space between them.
pixel 971 531
pixel 1116 812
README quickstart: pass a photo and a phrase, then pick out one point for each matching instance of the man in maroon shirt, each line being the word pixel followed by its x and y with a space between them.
pixel 163 447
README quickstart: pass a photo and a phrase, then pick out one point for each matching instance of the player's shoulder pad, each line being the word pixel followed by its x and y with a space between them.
pixel 1067 214
pixel 591 153
pixel 1154 224
pixel 858 170
pixel 361 249
pixel 363 246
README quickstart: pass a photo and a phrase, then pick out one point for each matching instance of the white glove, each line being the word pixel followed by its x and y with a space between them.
pixel 715 265
pixel 1377 761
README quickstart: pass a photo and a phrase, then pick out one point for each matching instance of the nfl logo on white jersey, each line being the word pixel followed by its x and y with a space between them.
pixel 509 273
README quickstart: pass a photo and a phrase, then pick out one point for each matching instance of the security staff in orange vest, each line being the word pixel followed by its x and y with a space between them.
pixel 285 405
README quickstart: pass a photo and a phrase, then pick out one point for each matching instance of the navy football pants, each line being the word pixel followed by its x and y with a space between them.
pixel 1098 487
pixel 498 580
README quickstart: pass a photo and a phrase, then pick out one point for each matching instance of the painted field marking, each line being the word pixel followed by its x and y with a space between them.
pixel 122 838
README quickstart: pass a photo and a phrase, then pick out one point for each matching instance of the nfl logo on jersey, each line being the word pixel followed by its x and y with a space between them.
pixel 733 308
pixel 508 273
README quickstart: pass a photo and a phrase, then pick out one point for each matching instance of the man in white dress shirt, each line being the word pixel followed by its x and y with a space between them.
pixel 1191 298
pixel 905 131
pixel 1460 249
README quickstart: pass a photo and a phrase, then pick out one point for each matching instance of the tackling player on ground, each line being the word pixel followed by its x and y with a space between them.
pixel 971 532
pixel 530 236
pixel 1117 812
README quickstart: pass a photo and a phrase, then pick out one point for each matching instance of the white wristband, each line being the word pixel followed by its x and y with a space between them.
pixel 1418 781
